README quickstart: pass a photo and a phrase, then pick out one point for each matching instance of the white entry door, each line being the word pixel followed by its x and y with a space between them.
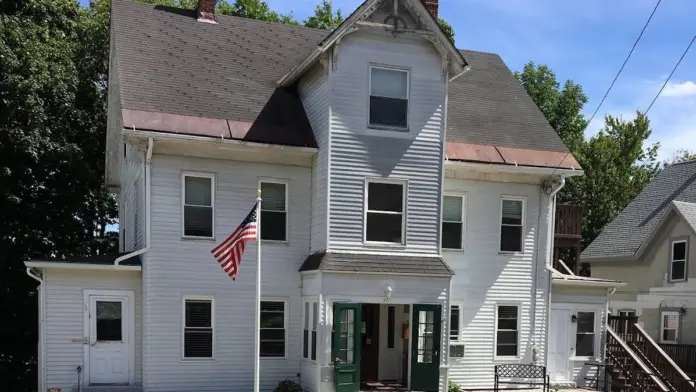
pixel 559 345
pixel 109 339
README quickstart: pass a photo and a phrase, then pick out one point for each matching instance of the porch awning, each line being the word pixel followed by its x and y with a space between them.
pixel 373 263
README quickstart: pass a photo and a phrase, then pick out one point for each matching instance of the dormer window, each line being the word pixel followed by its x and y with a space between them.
pixel 389 92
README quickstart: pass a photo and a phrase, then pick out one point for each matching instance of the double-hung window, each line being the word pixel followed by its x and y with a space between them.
pixel 585 334
pixel 309 337
pixel 274 210
pixel 670 327
pixel 677 265
pixel 453 222
pixel 198 328
pixel 384 218
pixel 198 205
pixel 272 329
pixel 507 331
pixel 455 324
pixel 389 92
pixel 512 224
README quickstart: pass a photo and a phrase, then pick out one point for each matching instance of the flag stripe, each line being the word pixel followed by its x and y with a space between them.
pixel 230 251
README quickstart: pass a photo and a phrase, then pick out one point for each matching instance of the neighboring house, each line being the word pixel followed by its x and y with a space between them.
pixel 408 196
pixel 649 246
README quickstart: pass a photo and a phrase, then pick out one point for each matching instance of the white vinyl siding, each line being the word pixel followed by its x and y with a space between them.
pixel 677 262
pixel 274 210
pixel 453 218
pixel 198 334
pixel 198 205
pixel 512 224
pixel 669 332
pixel 389 93
pixel 384 213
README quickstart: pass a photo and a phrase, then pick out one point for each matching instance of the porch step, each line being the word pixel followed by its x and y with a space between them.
pixel 112 388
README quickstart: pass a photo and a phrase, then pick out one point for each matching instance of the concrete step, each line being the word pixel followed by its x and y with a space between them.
pixel 112 388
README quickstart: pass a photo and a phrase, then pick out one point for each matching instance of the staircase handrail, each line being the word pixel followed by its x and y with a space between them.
pixel 656 380
pixel 684 378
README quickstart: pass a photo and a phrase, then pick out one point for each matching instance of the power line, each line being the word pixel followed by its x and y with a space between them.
pixel 615 78
pixel 671 73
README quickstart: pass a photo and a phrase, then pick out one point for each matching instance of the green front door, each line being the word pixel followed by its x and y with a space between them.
pixel 346 347
pixel 425 358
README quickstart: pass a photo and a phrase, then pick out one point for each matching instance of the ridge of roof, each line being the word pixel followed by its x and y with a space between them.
pixel 623 237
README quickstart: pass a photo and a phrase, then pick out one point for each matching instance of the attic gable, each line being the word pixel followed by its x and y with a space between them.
pixel 399 17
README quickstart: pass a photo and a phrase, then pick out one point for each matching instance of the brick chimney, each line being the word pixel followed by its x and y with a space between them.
pixel 432 6
pixel 206 11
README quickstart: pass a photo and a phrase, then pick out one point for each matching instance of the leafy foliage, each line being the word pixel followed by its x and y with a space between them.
pixel 680 156
pixel 288 386
pixel 324 17
pixel 446 28
pixel 453 386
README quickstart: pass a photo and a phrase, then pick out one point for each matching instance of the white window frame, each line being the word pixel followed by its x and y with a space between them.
pixel 672 260
pixel 408 96
pixel 211 176
pixel 463 221
pixel 313 325
pixel 497 357
pixel 287 207
pixel 183 325
pixel 404 196
pixel 596 328
pixel 286 311
pixel 662 327
pixel 523 199
pixel 460 305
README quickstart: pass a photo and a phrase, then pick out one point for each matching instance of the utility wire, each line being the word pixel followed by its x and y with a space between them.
pixel 671 73
pixel 615 78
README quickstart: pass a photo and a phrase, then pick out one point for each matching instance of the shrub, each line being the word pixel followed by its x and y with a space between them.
pixel 453 386
pixel 288 386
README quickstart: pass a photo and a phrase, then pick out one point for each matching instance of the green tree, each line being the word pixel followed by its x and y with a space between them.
pixel 324 17
pixel 253 9
pixel 681 155
pixel 52 122
pixel 446 28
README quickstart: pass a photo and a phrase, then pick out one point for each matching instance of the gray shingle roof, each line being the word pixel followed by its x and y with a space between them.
pixel 624 235
pixel 687 211
pixel 169 62
pixel 362 263
pixel 98 260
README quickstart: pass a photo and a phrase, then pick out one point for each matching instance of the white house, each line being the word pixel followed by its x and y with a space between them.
pixel 408 200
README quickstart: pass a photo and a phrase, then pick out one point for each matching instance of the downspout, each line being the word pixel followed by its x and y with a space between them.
pixel 555 188
pixel 42 328
pixel 148 159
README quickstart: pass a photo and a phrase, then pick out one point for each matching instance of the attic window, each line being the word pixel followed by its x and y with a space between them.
pixel 389 91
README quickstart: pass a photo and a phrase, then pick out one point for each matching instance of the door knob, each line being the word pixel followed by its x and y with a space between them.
pixel 337 361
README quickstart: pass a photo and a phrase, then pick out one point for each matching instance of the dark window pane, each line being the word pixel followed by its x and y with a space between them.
pixel 679 251
pixel 451 235
pixel 390 112
pixel 385 197
pixel 669 335
pixel 454 323
pixel 512 212
pixel 272 320
pixel 272 306
pixel 507 312
pixel 507 337
pixel 198 314
pixel 198 343
pixel 273 195
pixel 384 227
pixel 511 238
pixel 109 325
pixel 391 320
pixel 198 191
pixel 272 348
pixel 198 221
pixel 509 324
pixel 314 345
pixel 506 351
pixel 305 344
pixel 678 270
pixel 273 225
pixel 586 321
pixel 584 345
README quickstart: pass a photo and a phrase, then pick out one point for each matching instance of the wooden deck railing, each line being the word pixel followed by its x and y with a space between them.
pixel 651 354
pixel 568 221
pixel 628 366
pixel 683 354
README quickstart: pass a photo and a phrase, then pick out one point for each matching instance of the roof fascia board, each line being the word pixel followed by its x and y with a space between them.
pixel 349 25
pixel 610 259
pixel 80 266
pixel 586 283
pixel 504 168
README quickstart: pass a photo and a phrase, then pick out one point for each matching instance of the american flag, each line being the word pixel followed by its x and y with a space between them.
pixel 229 252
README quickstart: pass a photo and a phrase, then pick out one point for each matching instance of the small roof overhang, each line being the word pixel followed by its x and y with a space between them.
pixel 368 263
pixel 101 262
pixel 559 279
pixel 498 156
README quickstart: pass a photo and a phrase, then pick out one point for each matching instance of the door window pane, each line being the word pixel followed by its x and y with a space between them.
pixel 426 328
pixel 346 349
pixel 391 326
pixel 109 321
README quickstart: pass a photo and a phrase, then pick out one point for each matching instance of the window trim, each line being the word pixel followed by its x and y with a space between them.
pixel 460 305
pixel 662 326
pixel 497 357
pixel 596 330
pixel 188 297
pixel 404 199
pixel 211 176
pixel 407 70
pixel 523 199
pixel 463 195
pixel 286 182
pixel 285 327
pixel 672 260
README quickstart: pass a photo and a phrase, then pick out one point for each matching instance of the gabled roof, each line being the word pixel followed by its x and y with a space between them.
pixel 373 263
pixel 176 74
pixel 674 188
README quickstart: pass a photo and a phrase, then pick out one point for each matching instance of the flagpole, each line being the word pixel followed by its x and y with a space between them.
pixel 257 330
